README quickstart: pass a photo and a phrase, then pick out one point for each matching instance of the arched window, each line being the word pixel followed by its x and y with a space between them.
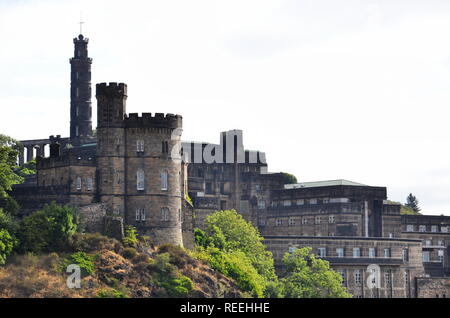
pixel 164 214
pixel 164 180
pixel 140 179
pixel 78 183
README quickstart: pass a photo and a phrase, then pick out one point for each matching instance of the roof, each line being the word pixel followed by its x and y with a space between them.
pixel 326 183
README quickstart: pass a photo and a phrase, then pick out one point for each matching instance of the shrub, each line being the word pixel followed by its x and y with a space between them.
pixel 48 229
pixel 85 261
pixel 178 255
pixel 111 293
pixel 88 242
pixel 129 252
pixel 6 245
pixel 130 238
pixel 178 287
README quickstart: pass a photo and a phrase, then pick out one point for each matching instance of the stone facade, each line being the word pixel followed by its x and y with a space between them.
pixel 427 287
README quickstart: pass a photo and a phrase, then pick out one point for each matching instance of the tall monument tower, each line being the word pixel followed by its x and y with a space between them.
pixel 80 92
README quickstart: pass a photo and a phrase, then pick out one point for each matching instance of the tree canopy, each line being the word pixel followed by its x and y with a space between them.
pixel 412 203
pixel 289 178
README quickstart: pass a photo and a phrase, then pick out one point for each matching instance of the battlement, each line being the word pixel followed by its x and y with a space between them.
pixel 111 90
pixel 159 120
pixel 67 159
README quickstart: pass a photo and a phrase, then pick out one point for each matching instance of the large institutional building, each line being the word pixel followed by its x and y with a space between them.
pixel 135 170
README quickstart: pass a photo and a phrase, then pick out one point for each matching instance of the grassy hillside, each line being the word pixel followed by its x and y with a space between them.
pixel 111 270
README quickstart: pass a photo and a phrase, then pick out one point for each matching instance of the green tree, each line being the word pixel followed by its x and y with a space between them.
pixel 310 277
pixel 9 150
pixel 28 168
pixel 228 231
pixel 48 229
pixel 412 203
pixel 289 178
pixel 7 243
pixel 130 239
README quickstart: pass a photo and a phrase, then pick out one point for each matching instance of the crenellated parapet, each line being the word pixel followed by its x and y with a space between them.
pixel 111 90
pixel 159 120
pixel 67 159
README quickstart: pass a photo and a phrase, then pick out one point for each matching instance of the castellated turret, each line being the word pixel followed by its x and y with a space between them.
pixel 139 165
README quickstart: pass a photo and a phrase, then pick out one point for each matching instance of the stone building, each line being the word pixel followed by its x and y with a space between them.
pixel 135 170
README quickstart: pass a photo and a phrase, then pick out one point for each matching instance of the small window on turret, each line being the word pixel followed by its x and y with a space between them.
pixel 78 183
pixel 140 145
pixel 164 214
pixel 164 180
pixel 89 184
pixel 140 179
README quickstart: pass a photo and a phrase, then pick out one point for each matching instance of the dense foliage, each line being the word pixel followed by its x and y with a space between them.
pixel 48 229
pixel 310 277
pixel 6 245
pixel 289 178
pixel 412 203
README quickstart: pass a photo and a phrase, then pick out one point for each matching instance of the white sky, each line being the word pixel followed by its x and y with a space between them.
pixel 329 89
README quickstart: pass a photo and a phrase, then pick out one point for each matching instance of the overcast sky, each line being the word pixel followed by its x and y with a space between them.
pixel 357 90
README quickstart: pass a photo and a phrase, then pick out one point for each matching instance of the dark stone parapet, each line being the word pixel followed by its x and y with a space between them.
pixel 111 90
pixel 159 120
pixel 67 159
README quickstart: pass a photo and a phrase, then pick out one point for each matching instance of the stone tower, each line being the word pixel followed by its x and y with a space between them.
pixel 80 92
pixel 139 166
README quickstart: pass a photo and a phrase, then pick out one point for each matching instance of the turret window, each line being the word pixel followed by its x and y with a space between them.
pixel 164 180
pixel 140 180
pixel 140 145
pixel 76 131
pixel 89 184
pixel 164 214
pixel 165 147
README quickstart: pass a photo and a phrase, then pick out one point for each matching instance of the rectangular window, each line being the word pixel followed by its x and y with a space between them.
pixel 358 279
pixel 300 202
pixel 331 219
pixel 304 221
pixel 76 131
pixel 444 229
pixel 279 222
pixel 372 252
pixel 356 252
pixel 342 272
pixel 325 200
pixel 261 204
pixel 441 256
pixel 291 221
pixel 387 278
pixel 422 228
pixel 78 183
pixel 142 214
pixel 164 180
pixel 138 214
pixel 140 180
pixel 426 256
pixel 287 203
pixel 387 252
pixel 77 92
pixel 164 214
pixel 410 228
pixel 312 201
pixel 322 251
pixel 340 252
pixel 317 219
pixel 434 228
pixel 405 255
pixel 90 184
pixel 427 242
pixel 440 243
pixel 140 145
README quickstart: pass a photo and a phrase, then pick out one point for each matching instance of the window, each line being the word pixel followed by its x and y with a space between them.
pixel 77 92
pixel 304 221
pixel 406 277
pixel 291 221
pixel 440 243
pixel 434 228
pixel 358 280
pixel 427 242
pixel 444 229
pixel 257 187
pixel 78 183
pixel 279 222
pixel 441 256
pixel 317 220
pixel 422 228
pixel 372 252
pixel 322 251
pixel 208 188
pixel 325 200
pixel 426 256
pixel 387 278
pixel 76 111
pixel 140 180
pixel 262 222
pixel 331 219
pixel 140 145
pixel 391 235
pixel 287 203
pixel 340 252
pixel 342 272
pixel 164 180
pixel 261 204
pixel 76 75
pixel 165 147
pixel 300 202
pixel 164 214
pixel 387 252
pixel 405 255
pixel 312 201
pixel 140 214
pixel 356 252
pixel 90 185
pixel 410 228
pixel 76 131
